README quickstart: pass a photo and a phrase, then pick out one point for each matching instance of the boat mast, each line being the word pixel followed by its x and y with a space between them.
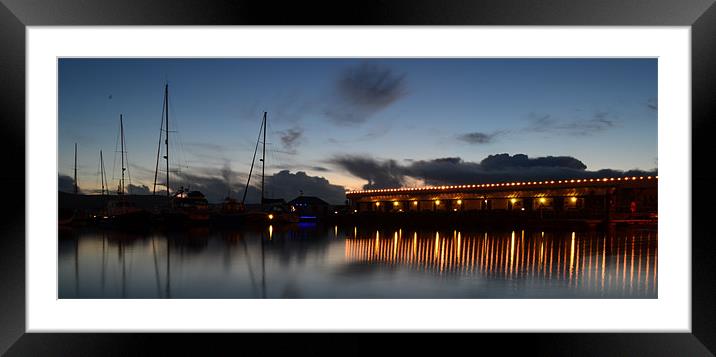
pixel 263 163
pixel 166 141
pixel 121 138
pixel 101 172
pixel 76 168
pixel 159 147
pixel 251 170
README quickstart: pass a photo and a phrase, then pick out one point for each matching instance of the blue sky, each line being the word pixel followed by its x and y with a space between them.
pixel 599 111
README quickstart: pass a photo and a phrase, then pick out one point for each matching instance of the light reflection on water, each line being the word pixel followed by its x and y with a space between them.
pixel 309 261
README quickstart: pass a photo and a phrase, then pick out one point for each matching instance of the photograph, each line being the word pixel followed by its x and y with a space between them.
pixel 357 177
pixel 183 177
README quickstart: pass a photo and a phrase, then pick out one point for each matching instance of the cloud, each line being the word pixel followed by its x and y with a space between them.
pixel 478 137
pixel 214 187
pixel 217 184
pixel 652 104
pixel 320 168
pixel 439 171
pixel 379 174
pixel 291 138
pixel 65 183
pixel 599 121
pixel 133 189
pixel 288 186
pixel 454 171
pixel 505 161
pixel 363 90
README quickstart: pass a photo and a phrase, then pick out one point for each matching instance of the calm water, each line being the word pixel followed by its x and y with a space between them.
pixel 309 261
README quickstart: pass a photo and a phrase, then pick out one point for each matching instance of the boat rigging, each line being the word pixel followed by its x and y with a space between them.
pixel 163 129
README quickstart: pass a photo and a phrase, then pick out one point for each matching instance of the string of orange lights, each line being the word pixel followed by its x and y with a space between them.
pixel 506 184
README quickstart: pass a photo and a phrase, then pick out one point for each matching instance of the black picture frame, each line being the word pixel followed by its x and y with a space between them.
pixel 15 15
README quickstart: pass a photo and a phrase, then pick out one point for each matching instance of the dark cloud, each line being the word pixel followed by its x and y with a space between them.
pixel 291 138
pixel 214 183
pixel 139 190
pixel 215 187
pixel 455 171
pixel 65 183
pixel 599 121
pixel 319 168
pixel 379 174
pixel 439 171
pixel 288 186
pixel 505 161
pixel 363 90
pixel 217 184
pixel 227 174
pixel 370 84
pixel 478 137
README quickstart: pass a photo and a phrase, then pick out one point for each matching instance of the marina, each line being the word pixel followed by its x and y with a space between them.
pixel 355 186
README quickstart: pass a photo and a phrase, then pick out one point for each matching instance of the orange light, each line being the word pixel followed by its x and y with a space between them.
pixel 415 203
pixel 459 202
pixel 574 199
pixel 395 203
pixel 437 202
pixel 377 203
pixel 513 200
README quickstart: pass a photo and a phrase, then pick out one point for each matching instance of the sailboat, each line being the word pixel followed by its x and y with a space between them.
pixel 266 213
pixel 120 209
pixel 230 212
pixel 185 205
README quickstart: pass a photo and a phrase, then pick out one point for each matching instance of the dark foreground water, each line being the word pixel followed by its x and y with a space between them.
pixel 310 261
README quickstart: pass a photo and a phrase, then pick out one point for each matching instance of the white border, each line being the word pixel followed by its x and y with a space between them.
pixel 670 312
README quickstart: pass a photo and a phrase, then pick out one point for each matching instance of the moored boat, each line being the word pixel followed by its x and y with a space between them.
pixel 187 207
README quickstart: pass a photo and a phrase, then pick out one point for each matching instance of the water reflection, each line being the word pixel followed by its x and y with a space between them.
pixel 312 261
pixel 590 262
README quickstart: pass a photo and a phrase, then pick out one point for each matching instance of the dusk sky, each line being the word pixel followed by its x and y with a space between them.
pixel 357 122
